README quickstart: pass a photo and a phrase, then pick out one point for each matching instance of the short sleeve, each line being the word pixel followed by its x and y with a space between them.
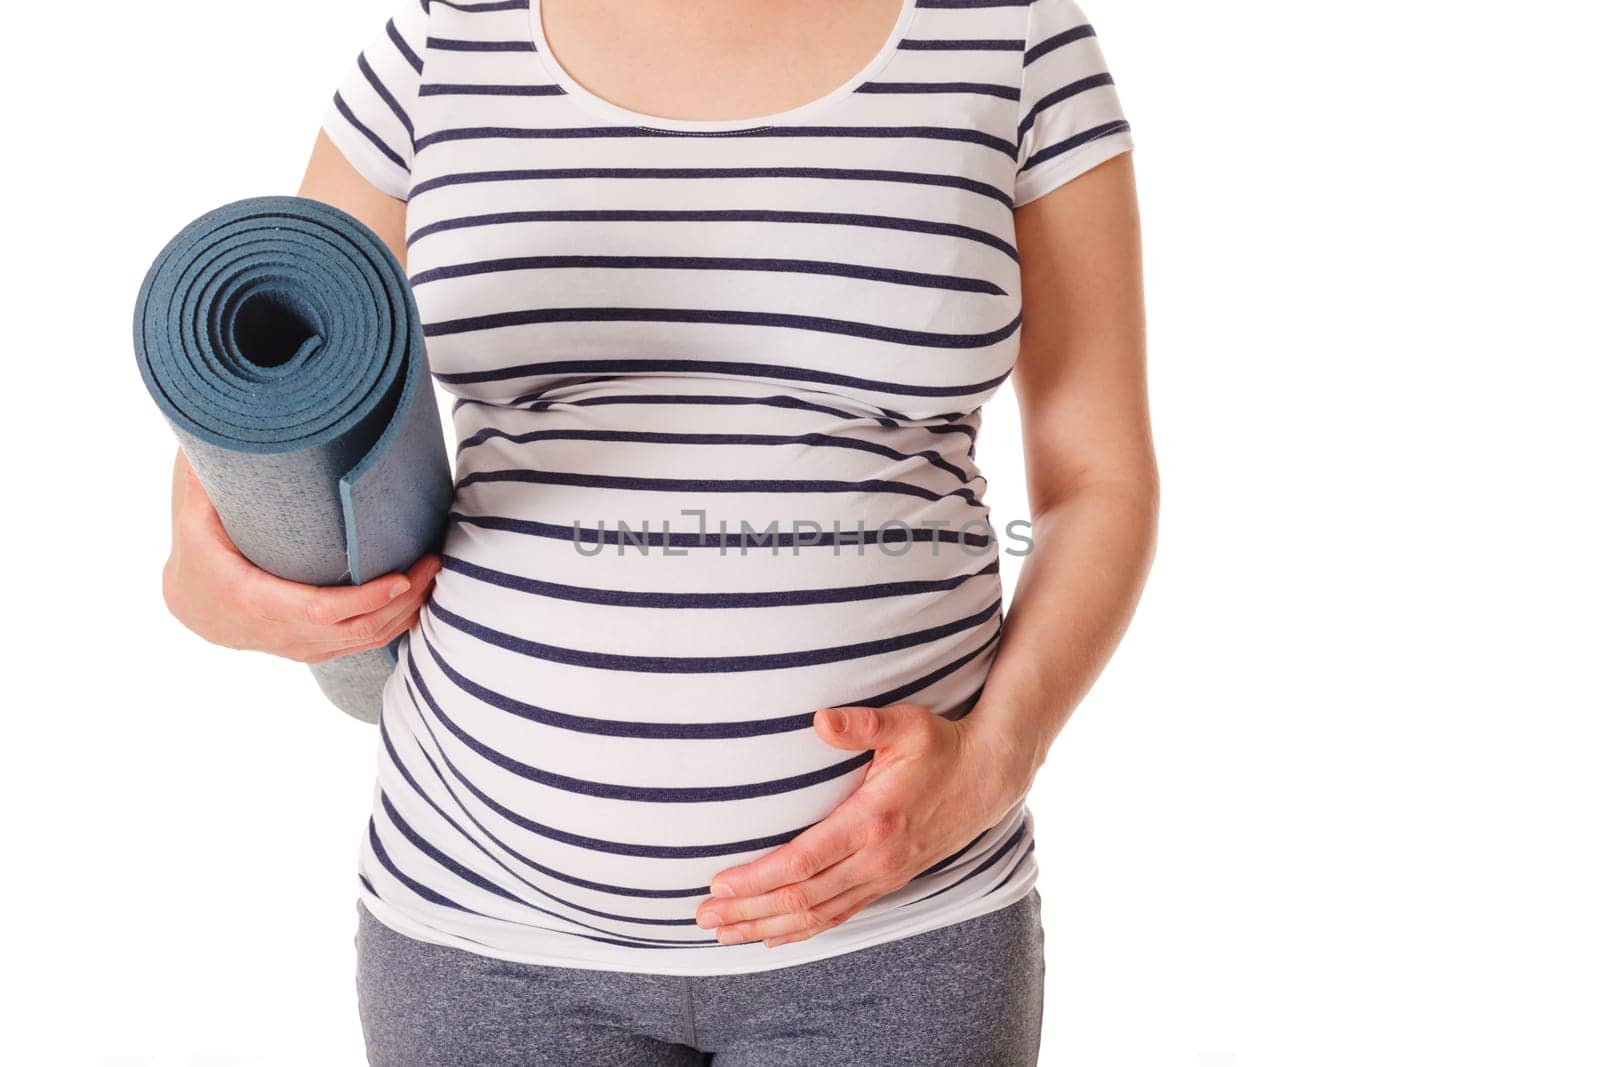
pixel 1070 118
pixel 370 115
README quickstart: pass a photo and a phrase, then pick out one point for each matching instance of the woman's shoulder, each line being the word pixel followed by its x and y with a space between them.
pixel 1070 115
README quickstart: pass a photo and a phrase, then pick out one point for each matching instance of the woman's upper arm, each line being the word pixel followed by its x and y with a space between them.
pixel 1080 373
pixel 331 179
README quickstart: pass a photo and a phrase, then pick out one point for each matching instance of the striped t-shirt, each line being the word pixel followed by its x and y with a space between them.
pixel 717 392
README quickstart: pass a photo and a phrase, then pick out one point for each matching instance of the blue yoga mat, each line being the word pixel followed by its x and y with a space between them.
pixel 279 338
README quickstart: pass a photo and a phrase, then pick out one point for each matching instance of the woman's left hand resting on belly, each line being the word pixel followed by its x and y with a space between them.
pixel 935 784
pixel 932 786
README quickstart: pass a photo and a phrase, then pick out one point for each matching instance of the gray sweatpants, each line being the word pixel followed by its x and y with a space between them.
pixel 966 994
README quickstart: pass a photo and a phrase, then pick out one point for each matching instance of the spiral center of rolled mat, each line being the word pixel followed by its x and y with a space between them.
pixel 271 328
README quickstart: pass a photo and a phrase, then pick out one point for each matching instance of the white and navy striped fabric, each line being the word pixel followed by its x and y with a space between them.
pixel 718 387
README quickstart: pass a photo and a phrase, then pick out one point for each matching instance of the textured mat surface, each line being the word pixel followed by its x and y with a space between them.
pixel 279 338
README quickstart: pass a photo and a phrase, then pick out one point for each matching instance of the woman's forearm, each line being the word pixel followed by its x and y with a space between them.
pixel 1074 598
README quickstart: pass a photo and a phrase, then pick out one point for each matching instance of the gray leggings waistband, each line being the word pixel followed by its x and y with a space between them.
pixel 966 994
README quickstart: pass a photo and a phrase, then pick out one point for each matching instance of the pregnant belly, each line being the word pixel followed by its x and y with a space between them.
pixel 649 590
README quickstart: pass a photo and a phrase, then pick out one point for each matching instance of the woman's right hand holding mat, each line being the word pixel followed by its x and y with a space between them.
pixel 211 588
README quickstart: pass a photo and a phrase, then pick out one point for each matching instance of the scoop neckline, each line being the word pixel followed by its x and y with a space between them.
pixel 616 112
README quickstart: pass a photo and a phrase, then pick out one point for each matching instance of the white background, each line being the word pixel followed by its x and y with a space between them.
pixel 1335 801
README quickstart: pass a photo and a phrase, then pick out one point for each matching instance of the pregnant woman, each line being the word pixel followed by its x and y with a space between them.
pixel 706 743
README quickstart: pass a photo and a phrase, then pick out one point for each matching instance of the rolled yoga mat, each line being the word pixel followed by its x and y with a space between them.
pixel 279 338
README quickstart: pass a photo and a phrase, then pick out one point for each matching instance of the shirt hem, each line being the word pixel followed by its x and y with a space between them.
pixel 835 942
pixel 1051 175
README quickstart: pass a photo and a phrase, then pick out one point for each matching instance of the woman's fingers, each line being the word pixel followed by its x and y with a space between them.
pixel 785 909
pixel 367 627
pixel 782 929
pixel 299 604
pixel 376 628
pixel 380 627
pixel 821 846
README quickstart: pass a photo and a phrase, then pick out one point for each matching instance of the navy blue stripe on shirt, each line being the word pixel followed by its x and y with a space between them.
pixel 1050 44
pixel 534 402
pixel 961 45
pixel 529 862
pixel 432 896
pixel 1082 85
pixel 435 897
pixel 377 142
pixel 999 854
pixel 769 661
pixel 861 271
pixel 467 874
pixel 463 89
pixel 616 848
pixel 384 94
pixel 1004 92
pixel 714 367
pixel 403 48
pixel 631 483
pixel 702 601
pixel 970 4
pixel 949 181
pixel 937 133
pixel 819 440
pixel 818 218
pixel 710 794
pixel 451 44
pixel 1077 140
pixel 1016 865
pixel 482 6
pixel 688 731
pixel 653 794
pixel 721 317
